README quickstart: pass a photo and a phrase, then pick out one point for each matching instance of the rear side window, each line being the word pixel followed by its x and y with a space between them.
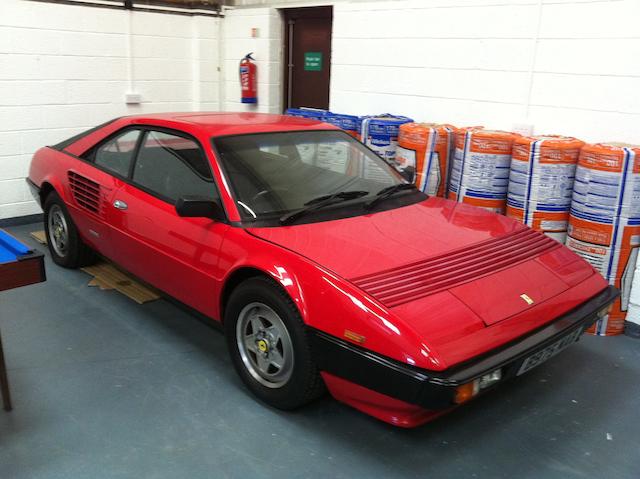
pixel 116 154
pixel 172 166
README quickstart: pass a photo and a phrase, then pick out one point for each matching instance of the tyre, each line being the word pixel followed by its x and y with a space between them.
pixel 64 242
pixel 268 344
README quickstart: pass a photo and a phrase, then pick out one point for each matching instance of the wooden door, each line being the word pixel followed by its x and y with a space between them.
pixel 307 57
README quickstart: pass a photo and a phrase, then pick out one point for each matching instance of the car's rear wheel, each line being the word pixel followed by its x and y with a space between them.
pixel 269 346
pixel 65 245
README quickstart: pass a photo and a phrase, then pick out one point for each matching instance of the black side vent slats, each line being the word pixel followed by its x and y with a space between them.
pixel 85 192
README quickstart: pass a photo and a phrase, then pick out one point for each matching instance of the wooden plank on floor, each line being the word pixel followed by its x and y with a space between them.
pixel 99 284
pixel 107 276
pixel 39 236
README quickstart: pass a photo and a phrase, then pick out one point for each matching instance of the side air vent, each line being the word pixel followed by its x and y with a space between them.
pixel 85 192
pixel 416 280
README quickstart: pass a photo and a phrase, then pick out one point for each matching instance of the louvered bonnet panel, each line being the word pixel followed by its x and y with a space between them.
pixel 432 275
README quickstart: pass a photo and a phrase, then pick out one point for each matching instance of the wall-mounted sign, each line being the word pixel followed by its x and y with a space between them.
pixel 313 61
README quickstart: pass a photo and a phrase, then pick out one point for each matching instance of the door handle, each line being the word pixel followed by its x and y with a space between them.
pixel 121 205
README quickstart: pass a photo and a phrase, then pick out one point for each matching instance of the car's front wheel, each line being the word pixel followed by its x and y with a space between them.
pixel 64 242
pixel 269 346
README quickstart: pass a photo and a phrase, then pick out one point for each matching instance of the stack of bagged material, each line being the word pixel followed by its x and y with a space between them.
pixel 380 133
pixel 480 168
pixel 349 123
pixel 604 225
pixel 541 182
pixel 423 155
pixel 309 113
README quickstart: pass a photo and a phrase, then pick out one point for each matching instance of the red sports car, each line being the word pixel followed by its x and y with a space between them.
pixel 325 268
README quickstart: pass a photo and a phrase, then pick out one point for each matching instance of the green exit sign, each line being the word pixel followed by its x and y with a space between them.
pixel 313 61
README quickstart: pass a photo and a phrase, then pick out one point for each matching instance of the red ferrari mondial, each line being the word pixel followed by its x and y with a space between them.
pixel 324 266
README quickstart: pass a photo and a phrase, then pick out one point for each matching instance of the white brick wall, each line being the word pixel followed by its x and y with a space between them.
pixel 267 51
pixel 469 62
pixel 64 69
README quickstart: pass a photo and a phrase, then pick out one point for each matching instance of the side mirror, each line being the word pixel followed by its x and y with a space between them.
pixel 199 207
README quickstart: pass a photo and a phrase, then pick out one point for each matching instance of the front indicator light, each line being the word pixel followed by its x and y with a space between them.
pixel 467 391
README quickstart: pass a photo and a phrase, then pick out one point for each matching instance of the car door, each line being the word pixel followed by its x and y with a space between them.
pixel 177 255
pixel 93 182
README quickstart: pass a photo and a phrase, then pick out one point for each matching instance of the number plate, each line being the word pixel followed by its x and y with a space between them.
pixel 541 356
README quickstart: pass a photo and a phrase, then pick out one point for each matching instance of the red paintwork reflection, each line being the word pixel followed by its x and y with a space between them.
pixel 354 247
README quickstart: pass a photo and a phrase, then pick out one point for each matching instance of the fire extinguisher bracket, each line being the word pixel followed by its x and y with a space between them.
pixel 248 79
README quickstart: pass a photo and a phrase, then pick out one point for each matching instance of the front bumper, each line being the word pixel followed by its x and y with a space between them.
pixel 436 390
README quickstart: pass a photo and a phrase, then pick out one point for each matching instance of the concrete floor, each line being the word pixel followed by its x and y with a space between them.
pixel 103 387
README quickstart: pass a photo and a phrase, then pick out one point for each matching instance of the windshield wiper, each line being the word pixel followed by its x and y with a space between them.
pixel 321 202
pixel 387 192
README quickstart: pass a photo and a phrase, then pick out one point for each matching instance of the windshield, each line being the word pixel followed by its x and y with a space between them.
pixel 273 174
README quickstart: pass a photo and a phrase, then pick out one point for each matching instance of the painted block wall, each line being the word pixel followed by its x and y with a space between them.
pixel 64 69
pixel 267 52
pixel 565 66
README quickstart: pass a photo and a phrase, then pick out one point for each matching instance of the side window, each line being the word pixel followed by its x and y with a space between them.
pixel 116 154
pixel 173 166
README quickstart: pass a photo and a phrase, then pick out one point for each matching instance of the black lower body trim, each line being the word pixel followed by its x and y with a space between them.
pixel 436 390
pixel 378 373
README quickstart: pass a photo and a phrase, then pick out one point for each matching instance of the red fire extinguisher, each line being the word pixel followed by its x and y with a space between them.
pixel 248 79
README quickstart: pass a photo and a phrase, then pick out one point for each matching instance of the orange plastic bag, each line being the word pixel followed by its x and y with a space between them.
pixel 604 225
pixel 423 154
pixel 480 168
pixel 541 182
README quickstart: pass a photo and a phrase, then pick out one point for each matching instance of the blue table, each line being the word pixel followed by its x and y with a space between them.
pixel 19 266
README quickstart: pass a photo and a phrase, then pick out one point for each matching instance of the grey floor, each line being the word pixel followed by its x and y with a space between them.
pixel 105 388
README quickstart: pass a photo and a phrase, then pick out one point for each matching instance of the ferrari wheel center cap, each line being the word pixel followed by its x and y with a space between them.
pixel 263 346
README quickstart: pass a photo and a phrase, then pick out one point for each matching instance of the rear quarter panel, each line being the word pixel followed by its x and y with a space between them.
pixel 46 166
pixel 50 167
